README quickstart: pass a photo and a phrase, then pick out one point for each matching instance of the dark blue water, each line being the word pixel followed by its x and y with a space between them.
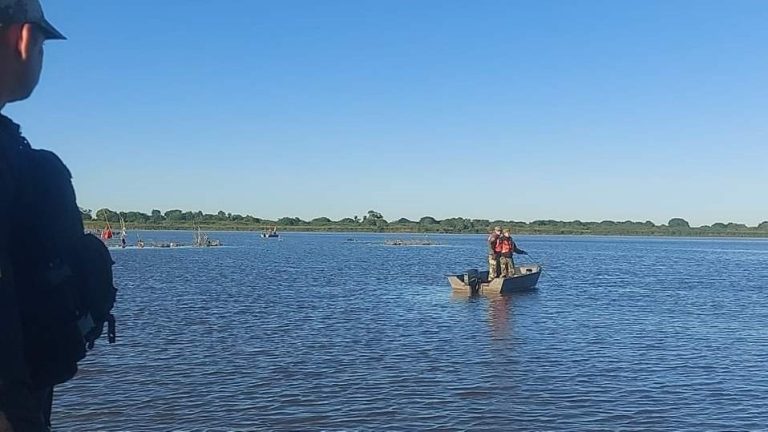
pixel 313 332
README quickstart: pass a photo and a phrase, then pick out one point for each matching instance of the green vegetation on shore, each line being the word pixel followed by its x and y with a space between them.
pixel 375 222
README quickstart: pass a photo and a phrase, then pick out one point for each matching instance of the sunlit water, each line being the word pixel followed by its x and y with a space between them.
pixel 314 332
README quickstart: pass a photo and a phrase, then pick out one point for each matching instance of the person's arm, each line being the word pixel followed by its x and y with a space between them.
pixel 517 250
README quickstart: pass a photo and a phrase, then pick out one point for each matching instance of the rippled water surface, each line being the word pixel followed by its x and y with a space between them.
pixel 314 332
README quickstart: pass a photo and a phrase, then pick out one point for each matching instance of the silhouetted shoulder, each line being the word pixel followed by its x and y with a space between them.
pixel 48 162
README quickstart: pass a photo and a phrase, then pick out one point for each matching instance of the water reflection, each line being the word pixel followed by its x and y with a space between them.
pixel 375 344
pixel 500 310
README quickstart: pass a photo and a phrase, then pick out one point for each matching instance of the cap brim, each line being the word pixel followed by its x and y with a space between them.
pixel 50 31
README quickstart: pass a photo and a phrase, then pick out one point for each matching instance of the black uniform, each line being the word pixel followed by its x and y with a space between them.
pixel 39 220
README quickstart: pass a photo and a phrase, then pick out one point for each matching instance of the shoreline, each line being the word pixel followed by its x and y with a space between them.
pixel 688 233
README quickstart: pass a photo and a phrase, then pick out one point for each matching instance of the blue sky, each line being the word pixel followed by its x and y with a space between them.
pixel 590 110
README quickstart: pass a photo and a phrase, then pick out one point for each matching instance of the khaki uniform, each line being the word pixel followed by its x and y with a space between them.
pixel 507 265
pixel 493 265
pixel 506 249
pixel 493 256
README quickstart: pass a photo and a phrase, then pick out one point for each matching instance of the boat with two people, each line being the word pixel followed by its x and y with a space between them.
pixel 503 275
pixel 270 233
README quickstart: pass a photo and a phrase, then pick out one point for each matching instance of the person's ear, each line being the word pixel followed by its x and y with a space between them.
pixel 27 39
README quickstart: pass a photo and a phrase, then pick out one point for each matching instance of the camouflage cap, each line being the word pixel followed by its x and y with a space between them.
pixel 27 11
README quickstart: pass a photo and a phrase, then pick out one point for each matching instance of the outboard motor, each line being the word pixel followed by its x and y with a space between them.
pixel 472 280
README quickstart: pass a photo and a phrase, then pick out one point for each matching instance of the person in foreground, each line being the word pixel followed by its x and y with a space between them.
pixel 506 248
pixel 56 289
pixel 493 254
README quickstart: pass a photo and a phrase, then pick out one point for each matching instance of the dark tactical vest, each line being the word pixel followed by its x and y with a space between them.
pixel 62 278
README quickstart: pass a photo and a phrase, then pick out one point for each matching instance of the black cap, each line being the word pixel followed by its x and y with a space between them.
pixel 27 11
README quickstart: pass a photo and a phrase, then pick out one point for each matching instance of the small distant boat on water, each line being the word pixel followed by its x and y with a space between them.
pixel 410 242
pixel 270 233
pixel 200 239
pixel 476 282
pixel 167 245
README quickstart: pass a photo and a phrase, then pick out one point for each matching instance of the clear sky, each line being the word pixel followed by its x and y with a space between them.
pixel 590 110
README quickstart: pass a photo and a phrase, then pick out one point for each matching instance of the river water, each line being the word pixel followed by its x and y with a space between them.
pixel 339 332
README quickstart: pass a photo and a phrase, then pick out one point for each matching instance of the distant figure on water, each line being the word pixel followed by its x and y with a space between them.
pixel 106 233
pixel 123 234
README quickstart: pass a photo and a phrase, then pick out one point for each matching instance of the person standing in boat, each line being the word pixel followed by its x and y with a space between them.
pixel 493 253
pixel 507 248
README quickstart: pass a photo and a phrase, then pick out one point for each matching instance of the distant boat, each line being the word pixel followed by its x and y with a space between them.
pixel 200 239
pixel 410 242
pixel 270 233
pixel 526 277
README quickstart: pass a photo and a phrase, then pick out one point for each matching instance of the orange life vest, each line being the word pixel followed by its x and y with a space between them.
pixel 505 245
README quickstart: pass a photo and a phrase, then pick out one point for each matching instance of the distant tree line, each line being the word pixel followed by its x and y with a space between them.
pixel 373 221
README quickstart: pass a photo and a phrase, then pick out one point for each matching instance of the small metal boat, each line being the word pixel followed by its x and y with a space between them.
pixel 270 233
pixel 474 281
